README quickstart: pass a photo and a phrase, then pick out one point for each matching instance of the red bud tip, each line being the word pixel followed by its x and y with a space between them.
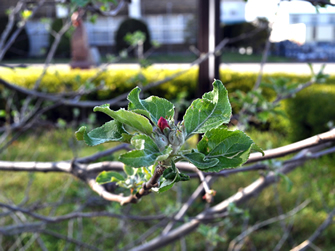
pixel 162 123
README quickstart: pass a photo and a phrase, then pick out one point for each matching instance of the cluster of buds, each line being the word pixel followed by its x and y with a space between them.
pixel 168 133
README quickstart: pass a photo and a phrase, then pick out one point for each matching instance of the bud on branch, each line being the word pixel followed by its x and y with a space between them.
pixel 162 123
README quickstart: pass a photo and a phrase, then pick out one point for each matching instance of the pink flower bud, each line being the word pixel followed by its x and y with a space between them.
pixel 162 123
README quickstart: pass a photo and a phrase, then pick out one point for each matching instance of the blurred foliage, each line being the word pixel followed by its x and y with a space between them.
pixel 307 113
pixel 131 26
pixel 256 42
pixel 311 110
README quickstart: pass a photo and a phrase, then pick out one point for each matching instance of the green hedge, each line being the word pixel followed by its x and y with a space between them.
pixel 311 110
pixel 307 114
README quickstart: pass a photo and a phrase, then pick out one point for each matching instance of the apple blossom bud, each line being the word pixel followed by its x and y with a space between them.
pixel 161 141
pixel 162 123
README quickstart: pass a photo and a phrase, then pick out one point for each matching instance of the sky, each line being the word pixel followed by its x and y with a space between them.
pixel 268 8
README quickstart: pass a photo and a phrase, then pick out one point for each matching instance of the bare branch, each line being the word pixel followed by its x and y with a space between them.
pixel 101 154
pixel 17 32
pixel 316 234
pixel 208 192
pixel 292 148
pixel 57 219
pixel 265 223
pixel 186 205
pixel 66 166
pixel 264 59
pixel 240 197
pixel 22 228
pixel 10 24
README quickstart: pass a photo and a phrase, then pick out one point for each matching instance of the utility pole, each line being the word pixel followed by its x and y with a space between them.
pixel 208 39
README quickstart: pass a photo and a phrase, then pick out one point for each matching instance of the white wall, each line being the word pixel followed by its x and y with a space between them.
pixel 38 37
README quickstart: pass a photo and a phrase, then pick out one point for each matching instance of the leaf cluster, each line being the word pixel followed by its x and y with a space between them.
pixel 149 126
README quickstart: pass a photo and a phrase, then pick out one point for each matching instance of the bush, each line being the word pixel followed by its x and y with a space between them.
pixel 311 110
pixel 307 114
pixel 20 47
pixel 64 47
pixel 130 26
pixel 257 41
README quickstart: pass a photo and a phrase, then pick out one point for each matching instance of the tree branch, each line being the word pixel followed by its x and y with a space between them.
pixel 17 32
pixel 240 197
pixel 316 234
pixel 265 223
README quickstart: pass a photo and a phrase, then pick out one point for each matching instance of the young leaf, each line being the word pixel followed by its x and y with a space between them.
pixel 106 177
pixel 145 154
pixel 165 154
pixel 171 175
pixel 209 112
pixel 198 159
pixel 156 107
pixel 231 148
pixel 128 170
pixel 132 119
pixel 111 131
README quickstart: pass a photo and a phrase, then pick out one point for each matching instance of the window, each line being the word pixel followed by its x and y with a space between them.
pixel 332 19
pixel 314 19
pixel 39 36
pixel 103 30
pixel 168 29
pixel 295 19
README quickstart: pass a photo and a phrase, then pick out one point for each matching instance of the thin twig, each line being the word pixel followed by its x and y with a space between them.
pixel 186 205
pixel 11 40
pixel 267 222
pixel 304 245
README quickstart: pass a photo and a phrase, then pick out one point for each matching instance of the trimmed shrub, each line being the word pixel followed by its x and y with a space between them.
pixel 131 25
pixel 311 110
pixel 20 47
pixel 257 41
pixel 307 114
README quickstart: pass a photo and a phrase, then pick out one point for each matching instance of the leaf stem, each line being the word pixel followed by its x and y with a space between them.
pixel 152 182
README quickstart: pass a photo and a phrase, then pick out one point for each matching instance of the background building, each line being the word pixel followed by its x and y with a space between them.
pixel 172 23
pixel 320 27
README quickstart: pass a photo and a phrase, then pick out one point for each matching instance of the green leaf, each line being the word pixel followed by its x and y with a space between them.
pixel 110 131
pixel 165 154
pixel 128 170
pixel 132 119
pixel 166 185
pixel 209 112
pixel 145 154
pixel 106 177
pixel 171 175
pixel 231 148
pixel 154 106
pixel 256 148
pixel 198 159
